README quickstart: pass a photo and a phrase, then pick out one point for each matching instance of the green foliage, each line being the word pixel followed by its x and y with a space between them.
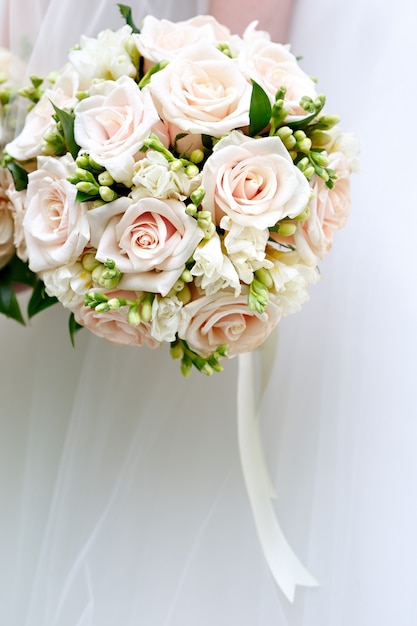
pixel 14 273
pixel 67 122
pixel 126 13
pixel 259 111
pixel 39 300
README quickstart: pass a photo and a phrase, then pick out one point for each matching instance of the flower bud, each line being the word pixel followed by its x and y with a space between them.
pixel 133 316
pixel 107 194
pixel 146 309
pixel 177 350
pixel 105 179
pixel 287 229
pixel 114 304
pixel 88 188
pixel 264 276
pixel 192 170
pixel 197 156
pixel 89 261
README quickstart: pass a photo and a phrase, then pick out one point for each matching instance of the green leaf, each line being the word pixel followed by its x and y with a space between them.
pixel 73 327
pixel 67 122
pixel 259 111
pixel 9 305
pixel 39 300
pixel 126 12
pixel 20 175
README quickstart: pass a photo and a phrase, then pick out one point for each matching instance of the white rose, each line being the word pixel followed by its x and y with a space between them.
pixel 213 269
pixel 166 314
pixel 253 181
pixel 150 240
pixel 245 246
pixel 6 220
pixel 104 56
pixel 272 66
pixel 162 40
pixel 153 176
pixel 112 124
pixel 69 283
pixel 56 226
pixel 39 121
pixel 202 91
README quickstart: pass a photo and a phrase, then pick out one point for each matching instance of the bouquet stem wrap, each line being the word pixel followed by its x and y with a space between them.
pixel 285 567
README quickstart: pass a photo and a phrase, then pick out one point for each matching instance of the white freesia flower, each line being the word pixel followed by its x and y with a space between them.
pixel 213 269
pixel 291 279
pixel 245 246
pixel 153 176
pixel 104 56
pixel 69 283
pixel 166 316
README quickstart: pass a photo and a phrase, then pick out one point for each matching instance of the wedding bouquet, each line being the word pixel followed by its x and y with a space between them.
pixel 175 184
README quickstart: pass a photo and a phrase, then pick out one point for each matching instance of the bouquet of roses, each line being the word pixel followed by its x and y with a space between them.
pixel 176 184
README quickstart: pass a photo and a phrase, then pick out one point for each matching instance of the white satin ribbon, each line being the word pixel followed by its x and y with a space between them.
pixel 285 567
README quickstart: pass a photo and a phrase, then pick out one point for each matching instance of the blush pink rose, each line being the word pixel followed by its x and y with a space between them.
pixel 55 225
pixel 149 239
pixel 112 124
pixel 272 66
pixel 329 211
pixel 114 326
pixel 202 91
pixel 253 181
pixel 222 318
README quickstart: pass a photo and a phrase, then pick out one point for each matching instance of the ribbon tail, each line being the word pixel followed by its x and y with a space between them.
pixel 284 565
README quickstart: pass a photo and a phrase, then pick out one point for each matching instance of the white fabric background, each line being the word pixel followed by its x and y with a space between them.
pixel 122 499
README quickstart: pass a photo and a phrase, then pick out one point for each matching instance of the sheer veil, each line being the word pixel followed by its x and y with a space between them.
pixel 123 500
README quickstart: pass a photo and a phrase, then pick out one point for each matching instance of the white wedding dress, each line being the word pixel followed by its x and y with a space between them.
pixel 121 491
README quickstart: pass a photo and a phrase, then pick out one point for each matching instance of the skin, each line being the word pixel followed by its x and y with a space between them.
pixel 273 16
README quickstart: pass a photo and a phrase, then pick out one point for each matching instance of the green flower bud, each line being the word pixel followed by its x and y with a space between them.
pixel 222 350
pixel 89 262
pixel 103 307
pixel 264 276
pixel 88 188
pixel 146 309
pixel 107 194
pixel 82 161
pixel 184 295
pixel 186 366
pixel 197 156
pixel 197 196
pixel 186 276
pixel 191 210
pixel 177 165
pixel 105 179
pixel 177 350
pixel 192 170
pixel 287 229
pixel 133 316
pixel 114 304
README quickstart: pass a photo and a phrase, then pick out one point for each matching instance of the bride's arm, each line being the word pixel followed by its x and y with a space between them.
pixel 273 15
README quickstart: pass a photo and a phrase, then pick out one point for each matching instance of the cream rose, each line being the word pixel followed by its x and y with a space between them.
pixel 28 144
pixel 114 326
pixel 272 66
pixel 150 240
pixel 112 124
pixel 253 181
pixel 202 91
pixel 6 221
pixel 104 56
pixel 222 318
pixel 17 207
pixel 56 226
